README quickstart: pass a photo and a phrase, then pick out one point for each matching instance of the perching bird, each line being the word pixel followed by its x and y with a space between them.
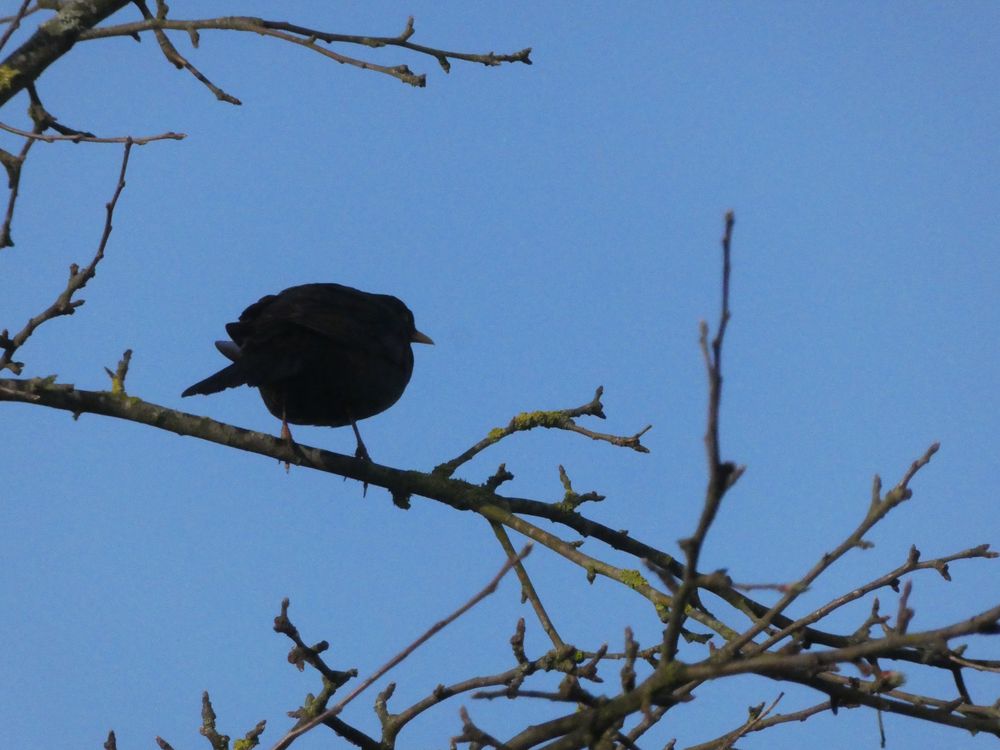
pixel 320 354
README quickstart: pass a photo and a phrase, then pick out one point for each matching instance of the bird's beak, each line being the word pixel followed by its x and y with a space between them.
pixel 421 338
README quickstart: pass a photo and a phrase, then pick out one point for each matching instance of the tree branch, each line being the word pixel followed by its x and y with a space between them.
pixel 13 23
pixel 53 39
pixel 561 419
pixel 437 627
pixel 307 37
pixel 65 304
pixel 721 476
pixel 141 140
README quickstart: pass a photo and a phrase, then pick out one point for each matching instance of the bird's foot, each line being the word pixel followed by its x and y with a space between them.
pixel 361 452
pixel 286 435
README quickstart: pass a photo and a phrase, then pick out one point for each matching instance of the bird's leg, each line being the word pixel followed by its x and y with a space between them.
pixel 286 434
pixel 361 451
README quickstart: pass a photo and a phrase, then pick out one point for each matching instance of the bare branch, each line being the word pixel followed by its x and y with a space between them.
pixel 14 22
pixel 65 304
pixel 475 736
pixel 176 58
pixel 891 578
pixel 556 659
pixel 527 588
pixel 333 679
pixel 573 499
pixel 290 737
pixel 757 716
pixel 119 374
pixel 877 511
pixel 303 654
pixel 80 138
pixel 52 40
pixel 307 37
pixel 721 476
pixel 760 723
pixel 13 165
pixel 599 719
pixel 560 419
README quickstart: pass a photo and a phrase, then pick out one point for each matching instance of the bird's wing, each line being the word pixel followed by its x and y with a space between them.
pixel 351 320
pixel 355 331
pixel 270 345
pixel 280 335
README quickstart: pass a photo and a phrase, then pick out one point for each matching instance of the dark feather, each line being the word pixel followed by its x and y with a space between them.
pixel 320 354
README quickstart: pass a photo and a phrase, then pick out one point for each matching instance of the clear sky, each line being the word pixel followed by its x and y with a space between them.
pixel 553 228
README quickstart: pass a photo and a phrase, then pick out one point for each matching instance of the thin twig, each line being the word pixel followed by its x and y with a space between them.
pixel 475 736
pixel 750 725
pixel 42 121
pixel 333 679
pixel 134 140
pixel 556 659
pixel 649 719
pixel 527 588
pixel 721 476
pixel 51 40
pixel 8 19
pixel 878 509
pixel 573 499
pixel 561 419
pixel 14 22
pixel 119 374
pixel 307 37
pixel 14 166
pixel 436 628
pixel 177 59
pixel 891 578
pixel 761 722
pixel 65 304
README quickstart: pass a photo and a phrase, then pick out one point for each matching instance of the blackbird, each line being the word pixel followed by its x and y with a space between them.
pixel 320 354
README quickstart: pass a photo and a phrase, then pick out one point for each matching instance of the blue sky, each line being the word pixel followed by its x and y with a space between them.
pixel 553 228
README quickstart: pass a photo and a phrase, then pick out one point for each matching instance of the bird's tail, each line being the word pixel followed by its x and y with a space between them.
pixel 227 377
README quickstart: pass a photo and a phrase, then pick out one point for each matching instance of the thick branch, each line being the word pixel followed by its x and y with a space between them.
pixel 52 40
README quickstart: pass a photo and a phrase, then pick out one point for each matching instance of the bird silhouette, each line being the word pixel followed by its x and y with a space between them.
pixel 320 354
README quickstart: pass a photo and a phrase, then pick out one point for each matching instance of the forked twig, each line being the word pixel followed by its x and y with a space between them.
pixel 290 737
pixel 560 419
pixel 891 578
pixel 65 304
pixel 760 722
pixel 308 37
pixel 877 511
pixel 176 58
pixel 81 138
pixel 14 22
pixel 721 476
pixel 13 165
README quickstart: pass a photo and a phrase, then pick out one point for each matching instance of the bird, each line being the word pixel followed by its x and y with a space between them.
pixel 320 354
